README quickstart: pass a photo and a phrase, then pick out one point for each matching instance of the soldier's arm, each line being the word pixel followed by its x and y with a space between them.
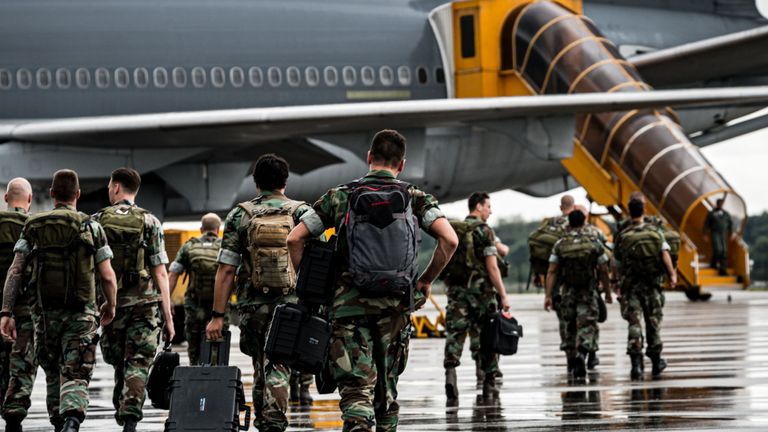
pixel 109 289
pixel 447 242
pixel 603 273
pixel 550 283
pixel 178 266
pixel 314 221
pixel 158 258
pixel 13 281
pixel 671 271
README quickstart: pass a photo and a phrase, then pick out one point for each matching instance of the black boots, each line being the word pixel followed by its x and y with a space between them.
pixel 637 366
pixel 578 366
pixel 592 360
pixel 129 425
pixel 479 372
pixel 451 386
pixel 71 424
pixel 294 391
pixel 13 424
pixel 490 391
pixel 305 398
pixel 659 364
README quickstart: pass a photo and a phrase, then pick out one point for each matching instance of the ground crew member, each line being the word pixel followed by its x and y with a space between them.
pixel 197 258
pixel 577 260
pixel 641 256
pixel 370 338
pixel 718 228
pixel 65 248
pixel 255 306
pixel 472 294
pixel 130 341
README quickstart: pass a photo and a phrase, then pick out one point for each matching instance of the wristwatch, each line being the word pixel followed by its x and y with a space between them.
pixel 6 314
pixel 217 314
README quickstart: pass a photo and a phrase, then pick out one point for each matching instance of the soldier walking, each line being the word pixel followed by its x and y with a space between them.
pixel 66 249
pixel 197 259
pixel 371 310
pixel 130 341
pixel 719 230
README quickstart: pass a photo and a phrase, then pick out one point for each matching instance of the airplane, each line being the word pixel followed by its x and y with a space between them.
pixel 190 93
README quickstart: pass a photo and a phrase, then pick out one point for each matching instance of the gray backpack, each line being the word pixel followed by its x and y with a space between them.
pixel 383 238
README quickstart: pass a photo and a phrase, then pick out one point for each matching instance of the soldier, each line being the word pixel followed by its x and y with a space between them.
pixel 641 257
pixel 130 341
pixel 718 228
pixel 369 345
pixel 576 260
pixel 557 226
pixel 474 280
pixel 65 248
pixel 197 258
pixel 256 301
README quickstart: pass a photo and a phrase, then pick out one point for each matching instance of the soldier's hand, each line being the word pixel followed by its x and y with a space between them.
pixel 673 280
pixel 8 329
pixel 505 303
pixel 547 303
pixel 213 330
pixel 107 314
pixel 169 331
pixel 424 287
pixel 537 281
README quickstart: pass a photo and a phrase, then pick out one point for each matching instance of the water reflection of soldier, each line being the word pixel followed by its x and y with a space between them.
pixel 645 403
pixel 581 405
pixel 488 415
pixel 718 228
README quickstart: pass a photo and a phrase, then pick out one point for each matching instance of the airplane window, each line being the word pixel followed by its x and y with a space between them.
pixel 421 73
pixel 367 75
pixel 102 78
pixel 198 76
pixel 256 76
pixel 218 77
pixel 440 75
pixel 141 77
pixel 312 75
pixel 331 76
pixel 386 76
pixel 350 75
pixel 404 75
pixel 237 76
pixel 293 76
pixel 83 78
pixel 63 78
pixel 6 79
pixel 44 78
pixel 24 78
pixel 179 77
pixel 275 76
pixel 467 28
pixel 122 77
pixel 161 77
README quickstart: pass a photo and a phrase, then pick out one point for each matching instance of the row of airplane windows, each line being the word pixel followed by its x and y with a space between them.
pixel 198 77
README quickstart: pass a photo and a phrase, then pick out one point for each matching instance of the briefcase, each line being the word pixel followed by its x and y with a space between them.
pixel 160 375
pixel 297 339
pixel 501 334
pixel 316 280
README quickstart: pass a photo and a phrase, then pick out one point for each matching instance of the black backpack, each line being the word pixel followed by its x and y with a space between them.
pixel 501 334
pixel 159 379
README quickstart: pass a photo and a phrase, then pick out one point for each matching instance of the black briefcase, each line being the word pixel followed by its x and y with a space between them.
pixel 316 280
pixel 297 339
pixel 501 334
pixel 160 375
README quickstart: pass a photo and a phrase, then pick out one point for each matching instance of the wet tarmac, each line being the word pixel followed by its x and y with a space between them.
pixel 717 379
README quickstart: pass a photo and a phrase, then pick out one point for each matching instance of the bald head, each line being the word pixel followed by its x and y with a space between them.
pixel 18 193
pixel 210 223
pixel 566 204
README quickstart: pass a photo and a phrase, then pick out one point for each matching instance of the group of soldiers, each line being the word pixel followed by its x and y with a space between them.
pixel 69 273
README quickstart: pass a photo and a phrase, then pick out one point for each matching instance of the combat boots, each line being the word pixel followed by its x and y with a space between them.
pixel 13 424
pixel 490 390
pixel 294 392
pixel 305 398
pixel 71 425
pixel 659 364
pixel 637 366
pixel 129 425
pixel 451 386
pixel 579 368
pixel 479 372
pixel 592 360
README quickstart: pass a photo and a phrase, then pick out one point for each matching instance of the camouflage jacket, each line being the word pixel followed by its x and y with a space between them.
pixel 181 263
pixel 329 212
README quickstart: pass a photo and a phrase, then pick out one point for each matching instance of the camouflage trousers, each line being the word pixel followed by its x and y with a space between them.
pixel 642 302
pixel 270 380
pixel 196 317
pixel 65 347
pixel 18 369
pixel 467 311
pixel 368 354
pixel 578 312
pixel 129 344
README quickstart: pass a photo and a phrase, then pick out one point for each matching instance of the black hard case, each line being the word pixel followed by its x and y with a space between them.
pixel 297 339
pixel 316 280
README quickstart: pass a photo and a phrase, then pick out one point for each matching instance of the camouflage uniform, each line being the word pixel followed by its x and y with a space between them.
pixel 270 381
pixel 578 304
pixel 65 341
pixel 130 341
pixel 370 335
pixel 197 312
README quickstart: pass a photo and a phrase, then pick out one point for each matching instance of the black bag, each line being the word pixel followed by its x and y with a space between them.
pixel 160 375
pixel 602 311
pixel 215 353
pixel 325 381
pixel 501 334
pixel 297 339
pixel 316 280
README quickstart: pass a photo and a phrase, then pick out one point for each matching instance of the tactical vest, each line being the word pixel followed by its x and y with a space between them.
pixel 63 258
pixel 640 251
pixel 464 264
pixel 202 268
pixel 124 227
pixel 270 268
pixel 11 225
pixel 541 241
pixel 578 253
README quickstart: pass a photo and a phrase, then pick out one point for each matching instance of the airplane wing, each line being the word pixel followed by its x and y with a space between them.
pixel 289 124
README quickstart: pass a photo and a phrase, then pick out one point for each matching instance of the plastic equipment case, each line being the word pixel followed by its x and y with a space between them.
pixel 501 334
pixel 316 280
pixel 298 339
pixel 208 398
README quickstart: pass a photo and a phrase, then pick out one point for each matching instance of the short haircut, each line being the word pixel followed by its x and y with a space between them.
pixel 65 185
pixel 388 148
pixel 128 178
pixel 576 218
pixel 566 201
pixel 637 195
pixel 636 208
pixel 270 172
pixel 211 222
pixel 477 198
